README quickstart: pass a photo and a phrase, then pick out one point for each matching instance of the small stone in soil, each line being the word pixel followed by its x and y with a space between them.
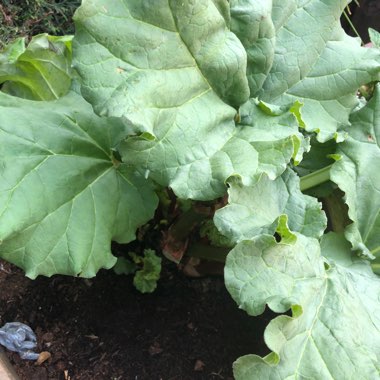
pixel 155 349
pixel 60 365
pixel 47 337
pixel 190 326
pixel 199 366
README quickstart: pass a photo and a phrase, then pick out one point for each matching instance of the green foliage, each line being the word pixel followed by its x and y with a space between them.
pixel 329 291
pixel 146 278
pixel 356 173
pixel 40 71
pixel 255 210
pixel 210 97
pixel 62 195
pixel 313 60
pixel 146 269
pixel 374 36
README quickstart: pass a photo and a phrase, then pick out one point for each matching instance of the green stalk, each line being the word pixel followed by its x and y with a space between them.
pixel 208 252
pixel 316 178
pixel 376 267
pixel 184 225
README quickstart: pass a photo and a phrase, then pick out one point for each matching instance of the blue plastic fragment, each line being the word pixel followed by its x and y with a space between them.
pixel 18 337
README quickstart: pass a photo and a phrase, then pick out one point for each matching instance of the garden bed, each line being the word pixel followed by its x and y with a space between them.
pixel 103 328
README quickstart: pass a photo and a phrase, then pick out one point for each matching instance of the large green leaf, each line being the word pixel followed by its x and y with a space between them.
pixel 63 196
pixel 334 332
pixel 357 174
pixel 174 97
pixel 251 21
pixel 171 70
pixel 254 210
pixel 152 59
pixel 40 71
pixel 296 51
pixel 193 160
pixel 196 165
pixel 315 62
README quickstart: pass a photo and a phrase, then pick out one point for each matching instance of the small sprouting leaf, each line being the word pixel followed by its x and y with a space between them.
pixel 146 269
pixel 146 278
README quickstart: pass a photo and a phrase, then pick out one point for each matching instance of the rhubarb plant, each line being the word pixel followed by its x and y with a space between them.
pixel 250 102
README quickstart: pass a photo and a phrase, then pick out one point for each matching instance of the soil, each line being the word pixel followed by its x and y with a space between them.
pixel 365 16
pixel 103 328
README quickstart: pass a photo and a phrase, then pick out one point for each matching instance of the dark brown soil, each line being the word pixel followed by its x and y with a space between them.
pixel 102 328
